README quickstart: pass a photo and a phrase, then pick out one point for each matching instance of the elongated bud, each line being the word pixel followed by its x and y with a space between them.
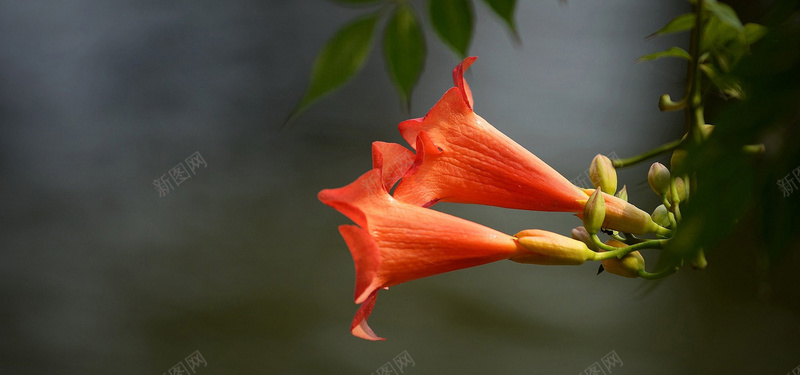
pixel 658 177
pixel 661 216
pixel 603 174
pixel 706 130
pixel 678 156
pixel 628 266
pixel 623 193
pixel 680 188
pixel 549 248
pixel 594 213
pixel 582 235
pixel 623 216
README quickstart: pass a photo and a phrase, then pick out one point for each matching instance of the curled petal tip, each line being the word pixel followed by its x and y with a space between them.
pixel 460 82
pixel 359 327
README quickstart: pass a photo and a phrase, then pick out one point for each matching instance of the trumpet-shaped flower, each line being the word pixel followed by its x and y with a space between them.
pixel 394 242
pixel 462 158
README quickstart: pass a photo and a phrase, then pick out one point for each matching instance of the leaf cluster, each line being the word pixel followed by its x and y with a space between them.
pixel 725 41
pixel 403 42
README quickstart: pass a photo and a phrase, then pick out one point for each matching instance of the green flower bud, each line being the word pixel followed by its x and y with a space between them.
pixel 680 188
pixel 623 193
pixel 706 130
pixel 582 235
pixel 628 266
pixel 658 177
pixel 594 213
pixel 549 248
pixel 661 216
pixel 603 174
pixel 678 156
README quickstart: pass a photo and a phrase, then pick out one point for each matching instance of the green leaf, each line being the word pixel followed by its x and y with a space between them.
pixel 719 33
pixel 340 59
pixel 724 82
pixel 724 13
pixel 452 20
pixel 671 52
pixel 680 23
pixel 753 32
pixel 404 50
pixel 505 9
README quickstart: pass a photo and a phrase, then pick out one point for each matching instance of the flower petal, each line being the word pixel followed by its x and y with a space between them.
pixel 367 259
pixel 460 82
pixel 350 199
pixel 359 327
pixel 393 160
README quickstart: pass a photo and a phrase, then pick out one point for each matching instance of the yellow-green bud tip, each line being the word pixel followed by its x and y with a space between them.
pixel 603 174
pixel 623 193
pixel 661 216
pixel 594 213
pixel 658 177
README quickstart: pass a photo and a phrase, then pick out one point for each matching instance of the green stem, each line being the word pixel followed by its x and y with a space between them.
pixel 657 275
pixel 622 163
pixel 694 103
pixel 619 252
pixel 676 202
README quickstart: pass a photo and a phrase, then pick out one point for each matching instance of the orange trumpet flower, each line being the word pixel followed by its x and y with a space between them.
pixel 462 158
pixel 394 242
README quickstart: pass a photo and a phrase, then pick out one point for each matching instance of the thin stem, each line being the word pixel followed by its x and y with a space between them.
pixel 657 275
pixel 619 252
pixel 676 201
pixel 632 240
pixel 627 162
pixel 694 103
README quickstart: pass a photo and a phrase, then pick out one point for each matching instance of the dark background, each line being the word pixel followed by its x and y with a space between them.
pixel 242 263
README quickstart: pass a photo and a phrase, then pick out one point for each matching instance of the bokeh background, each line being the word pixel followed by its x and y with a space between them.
pixel 99 274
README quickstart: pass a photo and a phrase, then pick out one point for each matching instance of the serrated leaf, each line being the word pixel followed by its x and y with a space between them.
pixel 404 50
pixel 452 20
pixel 671 52
pixel 724 13
pixel 680 23
pixel 753 32
pixel 505 9
pixel 341 58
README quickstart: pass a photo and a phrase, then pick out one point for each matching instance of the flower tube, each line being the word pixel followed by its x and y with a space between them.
pixel 394 242
pixel 461 158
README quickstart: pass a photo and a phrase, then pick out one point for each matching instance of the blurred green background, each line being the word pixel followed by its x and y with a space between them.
pixel 99 274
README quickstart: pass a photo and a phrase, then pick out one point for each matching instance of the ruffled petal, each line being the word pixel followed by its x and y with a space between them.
pixel 359 327
pixel 350 199
pixel 393 160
